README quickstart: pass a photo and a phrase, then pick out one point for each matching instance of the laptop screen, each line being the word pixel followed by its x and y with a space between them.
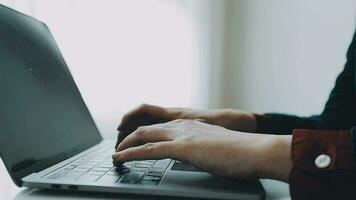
pixel 43 118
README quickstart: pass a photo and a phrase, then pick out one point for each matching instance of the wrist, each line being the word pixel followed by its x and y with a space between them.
pixel 274 160
pixel 239 120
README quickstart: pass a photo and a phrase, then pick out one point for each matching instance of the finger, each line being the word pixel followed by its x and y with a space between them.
pixel 120 137
pixel 144 109
pixel 149 151
pixel 123 134
pixel 142 135
pixel 134 124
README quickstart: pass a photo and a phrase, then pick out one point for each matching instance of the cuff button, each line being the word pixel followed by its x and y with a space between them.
pixel 322 161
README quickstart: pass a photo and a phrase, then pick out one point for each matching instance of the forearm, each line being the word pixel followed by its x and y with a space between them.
pixel 236 120
pixel 274 160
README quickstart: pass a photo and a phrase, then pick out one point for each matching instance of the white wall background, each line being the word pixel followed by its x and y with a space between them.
pixel 283 55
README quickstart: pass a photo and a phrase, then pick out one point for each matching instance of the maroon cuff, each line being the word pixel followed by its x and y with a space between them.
pixel 309 144
pixel 324 165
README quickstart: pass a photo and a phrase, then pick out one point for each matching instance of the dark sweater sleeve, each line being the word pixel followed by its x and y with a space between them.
pixel 339 112
pixel 284 124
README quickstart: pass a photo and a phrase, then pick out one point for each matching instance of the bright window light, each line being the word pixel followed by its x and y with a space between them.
pixel 123 53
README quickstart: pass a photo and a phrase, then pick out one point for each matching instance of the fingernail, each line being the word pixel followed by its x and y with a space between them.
pixel 118 148
pixel 116 156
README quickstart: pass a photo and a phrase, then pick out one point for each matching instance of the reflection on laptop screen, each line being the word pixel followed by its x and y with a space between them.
pixel 42 114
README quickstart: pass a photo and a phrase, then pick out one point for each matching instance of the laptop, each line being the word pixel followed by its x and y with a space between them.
pixel 48 138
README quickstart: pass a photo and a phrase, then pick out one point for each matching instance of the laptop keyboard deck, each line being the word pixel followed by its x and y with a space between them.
pixel 98 167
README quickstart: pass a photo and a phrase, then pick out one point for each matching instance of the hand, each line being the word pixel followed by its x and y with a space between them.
pixel 149 114
pixel 211 148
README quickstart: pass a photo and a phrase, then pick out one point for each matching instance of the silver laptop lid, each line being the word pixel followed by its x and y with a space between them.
pixel 43 118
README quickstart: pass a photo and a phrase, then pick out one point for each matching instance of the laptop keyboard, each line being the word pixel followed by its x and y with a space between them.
pixel 98 167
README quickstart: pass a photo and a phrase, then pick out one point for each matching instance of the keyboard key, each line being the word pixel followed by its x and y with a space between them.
pixel 145 163
pixel 97 160
pixel 95 173
pixel 157 169
pixel 88 165
pixel 139 169
pixel 89 157
pixel 132 177
pixel 100 169
pixel 103 157
pixel 88 177
pixel 109 179
pixel 84 167
pixel 89 162
pixel 106 165
pixel 162 163
pixel 154 173
pixel 142 166
pixel 150 182
pixel 79 170
pixel 121 170
pixel 149 161
pixel 112 173
pixel 128 164
pixel 151 178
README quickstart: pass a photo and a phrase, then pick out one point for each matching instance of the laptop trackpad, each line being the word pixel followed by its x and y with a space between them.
pixel 179 166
